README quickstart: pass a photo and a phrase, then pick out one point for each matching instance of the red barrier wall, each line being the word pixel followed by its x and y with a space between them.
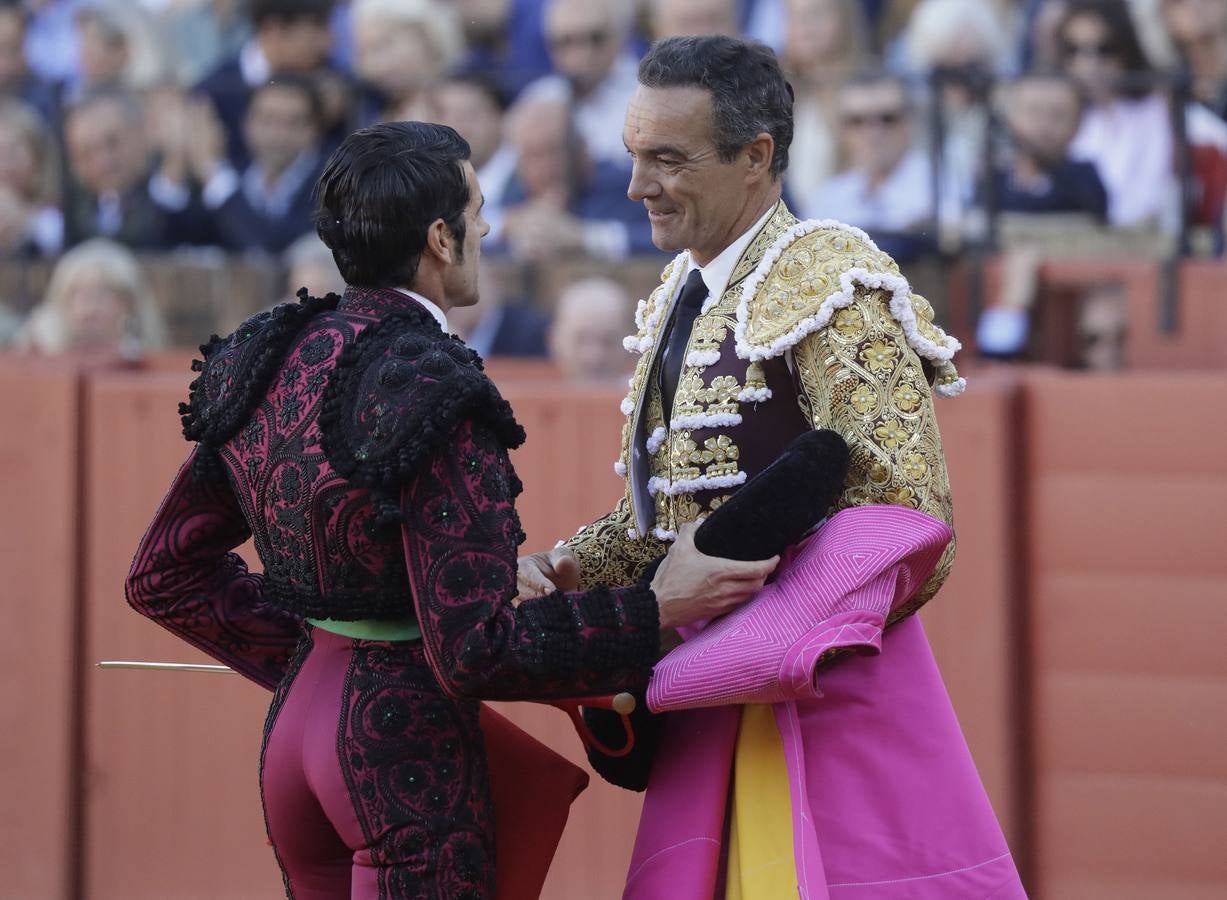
pixel 1094 504
pixel 1128 609
pixel 38 647
pixel 171 805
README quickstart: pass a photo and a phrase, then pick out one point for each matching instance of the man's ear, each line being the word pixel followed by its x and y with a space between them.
pixel 439 242
pixel 759 153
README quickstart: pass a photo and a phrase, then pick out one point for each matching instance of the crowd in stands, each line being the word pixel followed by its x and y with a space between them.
pixel 151 126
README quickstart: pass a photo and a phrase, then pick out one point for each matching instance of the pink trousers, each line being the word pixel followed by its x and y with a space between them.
pixel 375 785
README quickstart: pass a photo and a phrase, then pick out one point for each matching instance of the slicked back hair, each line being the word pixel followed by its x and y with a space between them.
pixel 750 95
pixel 379 193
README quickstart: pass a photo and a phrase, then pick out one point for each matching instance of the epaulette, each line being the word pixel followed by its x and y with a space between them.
pixel 235 370
pixel 398 393
pixel 811 272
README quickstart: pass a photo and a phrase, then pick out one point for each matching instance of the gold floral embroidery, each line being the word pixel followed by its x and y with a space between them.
pixel 902 497
pixel 880 356
pixel 849 322
pixel 914 467
pixel 890 434
pixel 906 397
pixel 864 398
pixel 895 448
pixel 606 553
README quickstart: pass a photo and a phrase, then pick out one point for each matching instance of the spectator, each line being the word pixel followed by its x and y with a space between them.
pixel 1198 29
pixel 289 36
pixel 269 204
pixel 562 202
pixel 585 340
pixel 684 18
pixel 888 188
pixel 31 223
pixel 959 46
pixel 1126 129
pixel 824 45
pixel 309 264
pixel 472 104
pixel 203 34
pixel 119 49
pixel 596 71
pixel 401 47
pixel 97 301
pixel 1042 114
pixel 505 41
pixel 109 190
pixel 16 80
pixel 495 327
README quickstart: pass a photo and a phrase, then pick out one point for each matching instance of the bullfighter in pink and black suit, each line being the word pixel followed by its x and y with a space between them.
pixel 366 452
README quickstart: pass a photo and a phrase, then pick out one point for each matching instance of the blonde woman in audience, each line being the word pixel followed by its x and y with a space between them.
pixel 31 223
pixel 97 301
pixel 825 42
pixel 403 46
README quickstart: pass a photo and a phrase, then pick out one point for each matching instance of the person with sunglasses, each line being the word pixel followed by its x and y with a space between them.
pixel 594 70
pixel 887 187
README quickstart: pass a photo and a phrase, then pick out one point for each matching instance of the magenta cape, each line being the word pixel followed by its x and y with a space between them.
pixel 886 801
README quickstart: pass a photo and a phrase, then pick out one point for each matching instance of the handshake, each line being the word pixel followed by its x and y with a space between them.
pixel 719 563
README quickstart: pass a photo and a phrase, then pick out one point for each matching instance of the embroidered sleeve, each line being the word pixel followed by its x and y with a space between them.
pixel 461 535
pixel 860 377
pixel 607 553
pixel 186 579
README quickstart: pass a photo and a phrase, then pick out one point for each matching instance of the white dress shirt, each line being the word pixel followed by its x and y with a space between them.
pixel 431 307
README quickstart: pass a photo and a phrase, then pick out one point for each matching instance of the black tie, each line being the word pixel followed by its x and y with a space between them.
pixel 694 292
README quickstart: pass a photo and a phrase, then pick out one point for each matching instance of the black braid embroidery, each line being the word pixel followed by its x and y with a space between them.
pixel 396 396
pixel 236 370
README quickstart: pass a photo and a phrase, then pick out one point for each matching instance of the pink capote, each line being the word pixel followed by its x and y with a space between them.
pixel 886 801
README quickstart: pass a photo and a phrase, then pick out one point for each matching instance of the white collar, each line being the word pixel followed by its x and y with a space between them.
pixel 431 307
pixel 254 65
pixel 716 274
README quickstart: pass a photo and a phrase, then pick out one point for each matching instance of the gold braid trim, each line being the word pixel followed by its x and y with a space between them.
pixel 860 377
pixel 606 553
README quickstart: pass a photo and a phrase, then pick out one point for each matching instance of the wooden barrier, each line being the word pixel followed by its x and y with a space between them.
pixel 39 444
pixel 1128 578
pixel 1080 499
pixel 972 623
pixel 171 805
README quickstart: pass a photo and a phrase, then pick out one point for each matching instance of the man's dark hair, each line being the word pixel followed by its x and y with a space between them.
pixel 380 192
pixel 749 92
pixel 872 76
pixel 479 81
pixel 261 11
pixel 305 85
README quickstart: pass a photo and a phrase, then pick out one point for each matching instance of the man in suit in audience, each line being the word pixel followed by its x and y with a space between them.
pixel 110 191
pixel 268 205
pixel 562 202
pixel 290 36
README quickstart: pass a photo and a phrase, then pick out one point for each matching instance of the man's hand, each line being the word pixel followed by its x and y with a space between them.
pixel 690 585
pixel 544 573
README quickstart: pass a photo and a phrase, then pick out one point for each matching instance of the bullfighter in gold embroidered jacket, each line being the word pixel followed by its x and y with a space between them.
pixel 854 774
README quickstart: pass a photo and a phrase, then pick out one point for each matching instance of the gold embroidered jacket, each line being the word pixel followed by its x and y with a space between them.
pixel 816 329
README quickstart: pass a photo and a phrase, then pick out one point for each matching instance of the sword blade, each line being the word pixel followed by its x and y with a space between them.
pixel 165 666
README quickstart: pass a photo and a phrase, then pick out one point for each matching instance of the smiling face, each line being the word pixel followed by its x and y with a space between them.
pixel 694 200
